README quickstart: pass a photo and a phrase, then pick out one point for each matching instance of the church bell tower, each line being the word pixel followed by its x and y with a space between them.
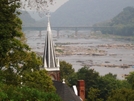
pixel 50 63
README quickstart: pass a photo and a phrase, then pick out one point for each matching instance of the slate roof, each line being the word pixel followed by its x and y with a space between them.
pixel 65 92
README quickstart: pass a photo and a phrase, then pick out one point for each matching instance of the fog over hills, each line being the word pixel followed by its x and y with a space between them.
pixel 88 12
pixel 27 20
pixel 85 12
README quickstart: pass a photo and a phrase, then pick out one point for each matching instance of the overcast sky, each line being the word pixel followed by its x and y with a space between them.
pixel 57 4
pixel 51 8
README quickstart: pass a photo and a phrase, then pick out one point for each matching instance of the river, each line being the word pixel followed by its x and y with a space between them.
pixel 115 53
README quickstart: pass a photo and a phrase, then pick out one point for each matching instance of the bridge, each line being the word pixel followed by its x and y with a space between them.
pixel 58 29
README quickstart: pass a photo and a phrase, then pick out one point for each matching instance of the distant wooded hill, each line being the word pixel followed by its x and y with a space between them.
pixel 88 12
pixel 27 20
pixel 82 13
pixel 123 23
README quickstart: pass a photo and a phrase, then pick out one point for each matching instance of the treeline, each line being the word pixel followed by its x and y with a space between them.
pixel 100 88
pixel 122 24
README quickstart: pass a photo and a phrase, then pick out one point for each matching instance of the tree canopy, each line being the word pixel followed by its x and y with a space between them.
pixel 121 95
pixel 13 93
pixel 20 77
pixel 97 87
pixel 130 79
pixel 67 72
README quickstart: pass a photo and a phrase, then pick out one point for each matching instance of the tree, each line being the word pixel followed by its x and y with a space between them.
pixel 16 58
pixel 130 79
pixel 12 50
pixel 109 82
pixel 17 61
pixel 90 77
pixel 38 80
pixel 94 95
pixel 15 55
pixel 121 95
pixel 39 5
pixel 14 93
pixel 67 72
pixel 10 33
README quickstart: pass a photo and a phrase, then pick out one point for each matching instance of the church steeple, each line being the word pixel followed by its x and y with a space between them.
pixel 49 60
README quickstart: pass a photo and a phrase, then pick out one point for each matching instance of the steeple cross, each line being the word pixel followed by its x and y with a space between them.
pixel 48 16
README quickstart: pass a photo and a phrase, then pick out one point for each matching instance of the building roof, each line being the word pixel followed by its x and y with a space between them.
pixel 65 92
pixel 49 60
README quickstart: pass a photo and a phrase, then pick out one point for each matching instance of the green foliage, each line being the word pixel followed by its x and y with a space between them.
pixel 35 85
pixel 11 75
pixel 130 79
pixel 97 88
pixel 94 94
pixel 15 57
pixel 106 84
pixel 67 72
pixel 10 28
pixel 31 61
pixel 121 95
pixel 17 81
pixel 11 48
pixel 39 80
pixel 13 93
pixel 90 77
pixel 109 82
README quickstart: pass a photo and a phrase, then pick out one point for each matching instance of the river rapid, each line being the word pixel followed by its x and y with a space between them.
pixel 118 58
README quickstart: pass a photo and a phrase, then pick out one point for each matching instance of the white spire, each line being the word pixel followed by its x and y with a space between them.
pixel 48 25
pixel 49 60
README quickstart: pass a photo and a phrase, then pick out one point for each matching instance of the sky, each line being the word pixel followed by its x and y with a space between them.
pixel 56 5
pixel 51 8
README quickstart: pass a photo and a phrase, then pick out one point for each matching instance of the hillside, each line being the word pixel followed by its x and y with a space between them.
pixel 123 23
pixel 81 13
pixel 88 12
pixel 27 20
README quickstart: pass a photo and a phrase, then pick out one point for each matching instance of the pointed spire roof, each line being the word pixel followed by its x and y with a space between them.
pixel 49 60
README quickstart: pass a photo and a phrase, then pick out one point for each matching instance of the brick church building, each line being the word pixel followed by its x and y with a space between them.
pixel 52 66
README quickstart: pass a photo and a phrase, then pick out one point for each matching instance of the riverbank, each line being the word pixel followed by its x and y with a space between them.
pixel 114 37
